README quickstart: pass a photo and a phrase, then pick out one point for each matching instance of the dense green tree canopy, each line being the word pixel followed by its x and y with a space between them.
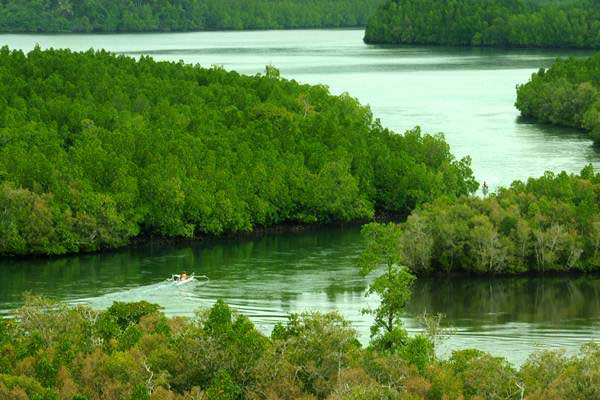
pixel 180 15
pixel 96 149
pixel 54 352
pixel 512 23
pixel 547 224
pixel 567 93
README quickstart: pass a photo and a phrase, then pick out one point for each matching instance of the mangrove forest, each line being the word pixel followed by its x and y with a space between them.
pixel 493 23
pixel 96 149
pixel 180 15
pixel 546 224
pixel 132 351
pixel 566 94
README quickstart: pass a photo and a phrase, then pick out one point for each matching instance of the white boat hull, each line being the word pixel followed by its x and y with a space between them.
pixel 176 279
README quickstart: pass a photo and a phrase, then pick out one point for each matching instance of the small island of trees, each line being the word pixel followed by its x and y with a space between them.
pixel 547 224
pixel 566 94
pixel 497 23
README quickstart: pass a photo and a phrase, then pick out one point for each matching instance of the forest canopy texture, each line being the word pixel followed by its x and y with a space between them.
pixel 547 224
pixel 180 15
pixel 567 94
pixel 500 23
pixel 96 149
pixel 131 351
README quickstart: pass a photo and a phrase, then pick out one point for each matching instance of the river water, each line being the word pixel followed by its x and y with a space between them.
pixel 466 93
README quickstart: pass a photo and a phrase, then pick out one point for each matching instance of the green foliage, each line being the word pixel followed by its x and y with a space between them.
pixel 393 286
pixel 30 386
pixel 382 247
pixel 129 338
pixel 418 351
pixel 219 351
pixel 312 356
pixel 96 149
pixel 551 375
pixel 126 314
pixel 223 388
pixel 499 23
pixel 4 334
pixel 45 372
pixel 491 378
pixel 547 224
pixel 139 393
pixel 567 94
pixel 180 15
pixel 317 347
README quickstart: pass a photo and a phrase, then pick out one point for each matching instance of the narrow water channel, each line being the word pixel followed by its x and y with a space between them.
pixel 269 277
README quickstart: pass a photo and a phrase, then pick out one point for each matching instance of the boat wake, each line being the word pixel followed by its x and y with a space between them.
pixel 175 297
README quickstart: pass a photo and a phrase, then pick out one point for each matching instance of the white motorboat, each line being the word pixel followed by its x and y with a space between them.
pixel 178 281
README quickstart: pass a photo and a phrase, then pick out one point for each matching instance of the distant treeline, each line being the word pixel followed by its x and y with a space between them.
pixel 547 224
pixel 180 15
pixel 568 94
pixel 96 149
pixel 501 23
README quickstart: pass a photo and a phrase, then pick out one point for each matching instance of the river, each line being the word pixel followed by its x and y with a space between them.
pixel 269 277
pixel 466 93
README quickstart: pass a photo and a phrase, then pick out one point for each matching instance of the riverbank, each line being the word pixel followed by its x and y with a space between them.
pixel 565 94
pixel 134 351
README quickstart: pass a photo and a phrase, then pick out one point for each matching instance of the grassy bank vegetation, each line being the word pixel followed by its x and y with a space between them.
pixel 495 23
pixel 566 94
pixel 96 149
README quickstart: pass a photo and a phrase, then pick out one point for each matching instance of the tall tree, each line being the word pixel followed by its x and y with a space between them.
pixel 383 254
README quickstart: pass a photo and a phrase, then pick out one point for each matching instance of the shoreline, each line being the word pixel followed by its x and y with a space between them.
pixel 67 33
pixel 151 240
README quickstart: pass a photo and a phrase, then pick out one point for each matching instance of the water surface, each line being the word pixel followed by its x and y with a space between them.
pixel 269 277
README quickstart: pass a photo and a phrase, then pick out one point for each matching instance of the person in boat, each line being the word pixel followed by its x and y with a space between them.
pixel 183 276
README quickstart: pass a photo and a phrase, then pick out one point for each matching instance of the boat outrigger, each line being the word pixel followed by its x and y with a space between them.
pixel 178 280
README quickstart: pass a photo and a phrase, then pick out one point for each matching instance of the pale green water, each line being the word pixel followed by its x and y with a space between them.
pixel 468 94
